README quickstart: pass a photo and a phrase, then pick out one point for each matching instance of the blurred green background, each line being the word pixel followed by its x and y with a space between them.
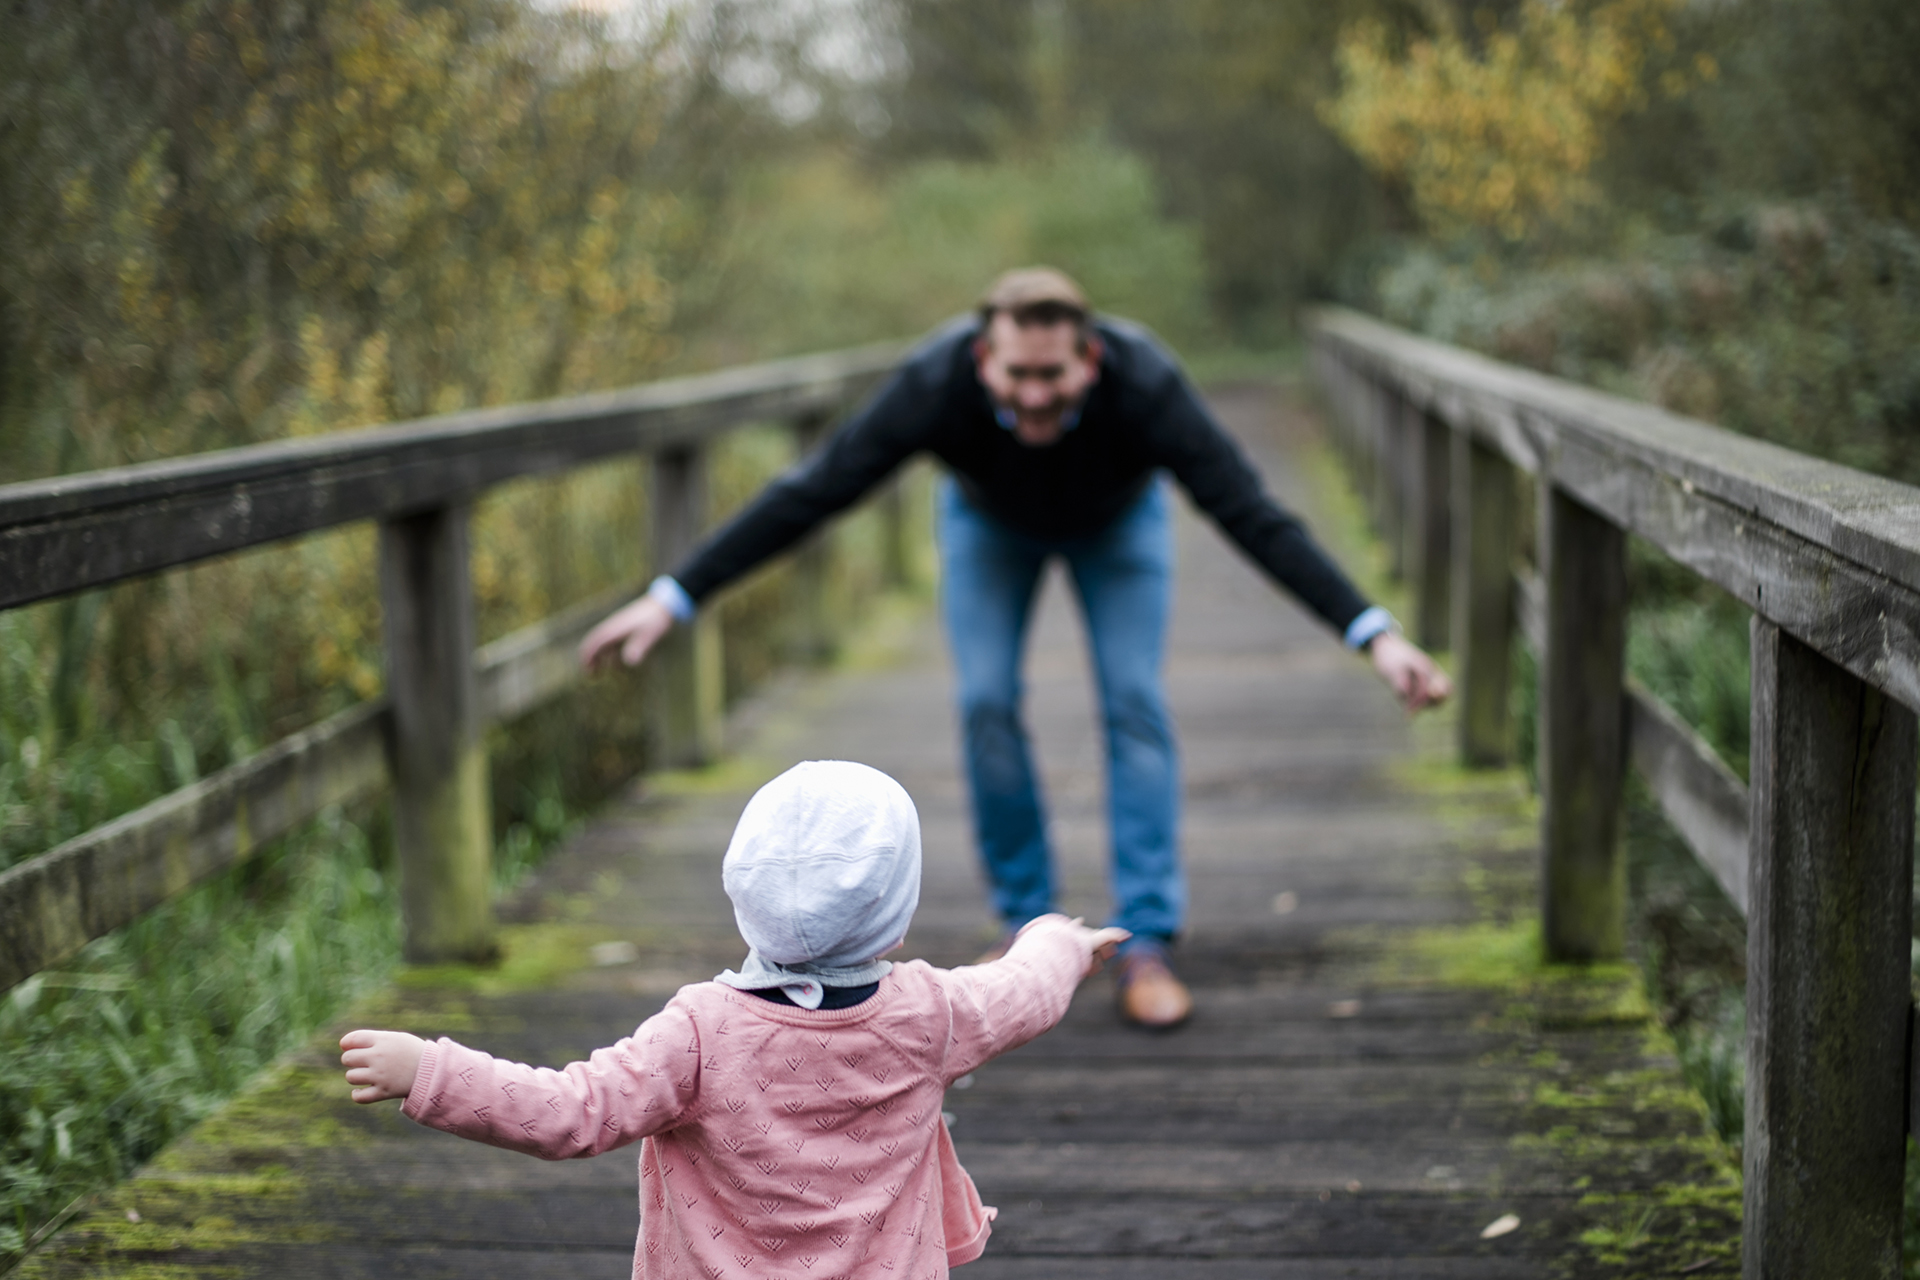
pixel 228 221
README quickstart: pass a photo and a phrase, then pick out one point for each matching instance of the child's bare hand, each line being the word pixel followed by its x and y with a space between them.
pixel 1101 944
pixel 380 1064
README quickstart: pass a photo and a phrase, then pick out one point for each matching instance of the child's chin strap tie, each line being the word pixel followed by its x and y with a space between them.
pixel 804 984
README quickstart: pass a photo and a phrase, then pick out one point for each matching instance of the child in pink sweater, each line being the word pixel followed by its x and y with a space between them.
pixel 790 1111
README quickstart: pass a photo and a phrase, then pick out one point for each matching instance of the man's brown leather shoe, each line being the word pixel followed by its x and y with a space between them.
pixel 1150 996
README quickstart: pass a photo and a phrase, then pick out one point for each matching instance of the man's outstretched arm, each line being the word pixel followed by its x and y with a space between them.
pixel 1224 484
pixel 1415 678
pixel 630 631
pixel 862 453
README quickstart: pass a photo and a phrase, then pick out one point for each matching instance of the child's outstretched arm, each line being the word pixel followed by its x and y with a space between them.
pixel 641 1085
pixel 1002 1005
pixel 380 1064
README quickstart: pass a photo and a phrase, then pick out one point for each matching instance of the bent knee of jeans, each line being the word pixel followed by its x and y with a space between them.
pixel 996 744
pixel 1140 717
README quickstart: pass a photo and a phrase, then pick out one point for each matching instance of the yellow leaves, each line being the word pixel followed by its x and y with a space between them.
pixel 366 399
pixel 1501 131
pixel 76 195
pixel 346 382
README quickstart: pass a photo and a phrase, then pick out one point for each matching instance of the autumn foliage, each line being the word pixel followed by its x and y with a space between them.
pixel 1500 125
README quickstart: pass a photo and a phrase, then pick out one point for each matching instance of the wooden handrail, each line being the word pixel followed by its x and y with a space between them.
pixel 106 878
pixel 418 480
pixel 75 532
pixel 1817 852
pixel 1830 554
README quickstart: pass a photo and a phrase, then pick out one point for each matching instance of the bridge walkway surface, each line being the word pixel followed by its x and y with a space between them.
pixel 1379 1071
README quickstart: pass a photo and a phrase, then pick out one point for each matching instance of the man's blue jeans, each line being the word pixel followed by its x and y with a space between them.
pixel 1124 578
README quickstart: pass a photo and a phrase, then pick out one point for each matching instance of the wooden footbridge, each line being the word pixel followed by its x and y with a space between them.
pixel 1385 1075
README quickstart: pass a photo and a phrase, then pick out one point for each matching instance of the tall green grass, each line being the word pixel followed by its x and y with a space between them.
pixel 106 1059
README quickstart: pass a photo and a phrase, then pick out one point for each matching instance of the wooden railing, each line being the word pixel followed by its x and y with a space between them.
pixel 419 481
pixel 1818 853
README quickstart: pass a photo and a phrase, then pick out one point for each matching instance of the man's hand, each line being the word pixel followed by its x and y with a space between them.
pixel 1414 677
pixel 631 630
pixel 1101 943
pixel 380 1064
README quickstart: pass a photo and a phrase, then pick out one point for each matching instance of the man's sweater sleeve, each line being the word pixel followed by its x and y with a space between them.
pixel 1002 1005
pixel 642 1085
pixel 1213 470
pixel 864 451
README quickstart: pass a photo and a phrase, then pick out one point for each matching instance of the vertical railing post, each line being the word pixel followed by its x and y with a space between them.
pixel 1582 748
pixel 442 824
pixel 1331 377
pixel 896 543
pixel 685 678
pixel 1484 523
pixel 1828 934
pixel 815 636
pixel 1428 532
pixel 1389 471
pixel 1365 442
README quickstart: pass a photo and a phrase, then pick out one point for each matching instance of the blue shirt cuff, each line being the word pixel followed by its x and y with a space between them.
pixel 1369 624
pixel 675 597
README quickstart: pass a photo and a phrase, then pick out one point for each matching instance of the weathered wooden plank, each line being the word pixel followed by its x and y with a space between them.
pixel 1704 799
pixel 1829 553
pixel 74 532
pixel 1828 933
pixel 1429 532
pixel 1485 519
pixel 1697 790
pixel 1173 1227
pixel 1583 877
pixel 814 628
pixel 54 904
pixel 1868 519
pixel 685 678
pixel 1383 415
pixel 896 542
pixel 519 672
pixel 1012 1266
pixel 1867 623
pixel 1913 1072
pixel 441 815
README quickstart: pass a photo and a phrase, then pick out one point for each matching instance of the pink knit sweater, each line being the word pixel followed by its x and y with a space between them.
pixel 781 1143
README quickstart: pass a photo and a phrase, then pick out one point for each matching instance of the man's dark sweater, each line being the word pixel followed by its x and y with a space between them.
pixel 1140 416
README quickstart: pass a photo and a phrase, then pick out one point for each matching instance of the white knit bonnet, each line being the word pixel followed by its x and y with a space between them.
pixel 824 866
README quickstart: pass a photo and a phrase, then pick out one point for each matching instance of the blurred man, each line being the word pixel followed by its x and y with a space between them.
pixel 1055 427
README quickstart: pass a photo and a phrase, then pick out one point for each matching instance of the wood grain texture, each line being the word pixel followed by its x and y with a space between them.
pixel 1827 552
pixel 54 904
pixel 1829 928
pixel 537 663
pixel 74 532
pixel 1865 518
pixel 814 627
pixel 1429 554
pixel 685 676
pixel 1485 523
pixel 1697 790
pixel 1583 572
pixel 1702 797
pixel 442 818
